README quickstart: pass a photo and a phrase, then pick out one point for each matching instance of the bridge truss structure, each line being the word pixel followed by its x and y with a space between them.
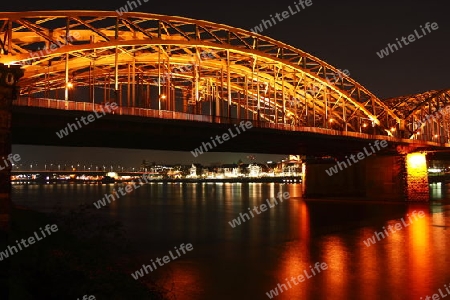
pixel 189 66
pixel 426 116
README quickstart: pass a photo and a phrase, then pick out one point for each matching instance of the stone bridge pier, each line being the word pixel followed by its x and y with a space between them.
pixel 383 177
pixel 8 92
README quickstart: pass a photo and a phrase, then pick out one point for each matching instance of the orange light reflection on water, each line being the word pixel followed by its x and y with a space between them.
pixel 419 246
pixel 368 266
pixel 396 260
pixel 297 257
pixel 336 276
pixel 184 281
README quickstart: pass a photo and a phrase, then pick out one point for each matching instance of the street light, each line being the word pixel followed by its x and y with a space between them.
pixel 161 97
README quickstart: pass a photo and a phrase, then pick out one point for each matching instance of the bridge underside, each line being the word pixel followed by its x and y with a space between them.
pixel 38 126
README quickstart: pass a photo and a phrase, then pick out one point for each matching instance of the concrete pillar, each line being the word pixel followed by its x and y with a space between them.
pixel 385 178
pixel 397 177
pixel 5 149
pixel 8 80
pixel 5 186
pixel 377 177
pixel 348 182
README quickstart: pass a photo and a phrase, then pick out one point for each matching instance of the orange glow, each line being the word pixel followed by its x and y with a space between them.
pixel 416 162
pixel 331 121
pixel 295 259
pixel 163 96
pixel 304 223
pixel 368 261
pixel 420 231
pixel 336 256
pixel 69 85
pixel 292 265
pixel 419 243
pixel 184 280
pixel 392 129
pixel 365 125
pixel 417 177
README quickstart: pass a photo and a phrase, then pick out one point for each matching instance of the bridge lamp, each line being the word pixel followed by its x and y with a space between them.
pixel 161 97
pixel 331 120
pixel 392 129
pixel 364 125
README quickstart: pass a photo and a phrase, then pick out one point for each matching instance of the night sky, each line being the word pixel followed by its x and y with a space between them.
pixel 346 34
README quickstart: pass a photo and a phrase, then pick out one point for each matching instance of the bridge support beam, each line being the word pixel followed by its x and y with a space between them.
pixel 5 186
pixel 5 149
pixel 8 92
pixel 382 177
pixel 8 79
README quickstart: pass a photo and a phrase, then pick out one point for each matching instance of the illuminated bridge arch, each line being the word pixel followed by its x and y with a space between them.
pixel 183 65
pixel 426 116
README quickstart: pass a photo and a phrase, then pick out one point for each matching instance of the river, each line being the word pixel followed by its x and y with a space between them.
pixel 248 261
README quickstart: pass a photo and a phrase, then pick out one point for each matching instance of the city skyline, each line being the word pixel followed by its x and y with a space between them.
pixel 108 156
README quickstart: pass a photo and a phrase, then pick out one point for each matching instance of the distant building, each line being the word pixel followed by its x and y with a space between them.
pixel 193 172
pixel 231 170
pixel 254 170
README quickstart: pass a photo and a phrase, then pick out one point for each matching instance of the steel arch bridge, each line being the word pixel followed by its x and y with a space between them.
pixel 425 115
pixel 189 66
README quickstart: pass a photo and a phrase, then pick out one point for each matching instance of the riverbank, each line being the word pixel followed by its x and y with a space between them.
pixel 287 179
pixel 86 257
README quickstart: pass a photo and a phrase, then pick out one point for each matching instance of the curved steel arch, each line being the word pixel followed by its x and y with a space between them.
pixel 426 115
pixel 219 65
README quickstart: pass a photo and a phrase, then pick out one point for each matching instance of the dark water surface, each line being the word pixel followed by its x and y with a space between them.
pixel 248 261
